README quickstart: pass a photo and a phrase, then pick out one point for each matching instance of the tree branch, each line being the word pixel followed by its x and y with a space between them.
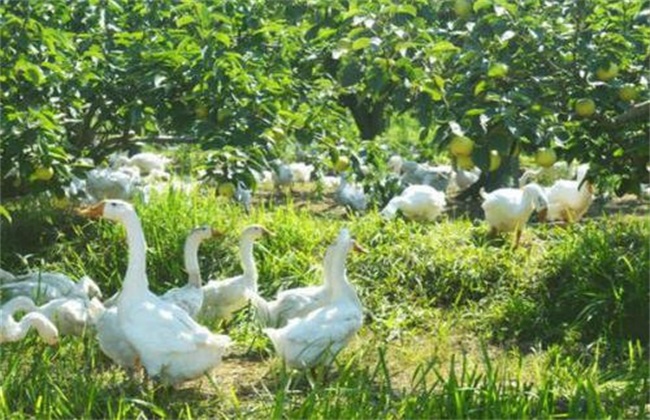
pixel 167 139
pixel 636 112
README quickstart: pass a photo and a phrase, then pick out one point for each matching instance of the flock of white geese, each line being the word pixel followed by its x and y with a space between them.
pixel 308 325
pixel 136 328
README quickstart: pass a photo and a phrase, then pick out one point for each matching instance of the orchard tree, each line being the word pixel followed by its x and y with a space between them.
pixel 82 79
pixel 509 76
pixel 522 69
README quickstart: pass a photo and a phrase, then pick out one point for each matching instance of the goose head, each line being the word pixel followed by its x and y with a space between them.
pixel 395 163
pixel 254 232
pixel 344 243
pixel 95 310
pixel 409 167
pixel 45 328
pixel 90 288
pixel 526 177
pixel 117 210
pixel 201 233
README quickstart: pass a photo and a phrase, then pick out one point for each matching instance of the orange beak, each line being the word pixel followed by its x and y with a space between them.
pixel 217 233
pixel 541 214
pixel 268 232
pixel 358 248
pixel 94 211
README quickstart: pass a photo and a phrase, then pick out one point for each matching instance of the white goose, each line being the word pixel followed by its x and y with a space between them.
pixel 146 162
pixel 350 196
pixel 113 342
pixel 190 297
pixel 318 337
pixel 221 298
pixel 102 183
pixel 569 200
pixel 72 316
pixel 47 286
pixel 244 196
pixel 10 330
pixel 418 202
pixel 547 175
pixel 508 209
pixel 168 342
pixel 294 303
pixel 414 173
pixel 462 179
pixel 281 174
pixel 301 172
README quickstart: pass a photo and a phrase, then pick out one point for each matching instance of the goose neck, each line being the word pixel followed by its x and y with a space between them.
pixel 136 275
pixel 337 273
pixel 328 273
pixel 15 331
pixel 247 260
pixel 18 330
pixel 192 262
pixel 19 303
pixel 527 202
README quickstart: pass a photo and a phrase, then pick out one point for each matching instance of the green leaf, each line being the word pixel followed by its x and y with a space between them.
pixel 404 46
pixel 440 82
pixel 407 9
pixel 361 43
pixel 324 33
pixel 433 92
pixel 443 46
pixel 474 112
pixel 184 21
pixel 482 4
pixel 31 72
pixel 94 51
pixel 480 87
pixel 223 38
pixel 5 213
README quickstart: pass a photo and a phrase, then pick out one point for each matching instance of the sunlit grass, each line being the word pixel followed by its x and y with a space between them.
pixel 455 325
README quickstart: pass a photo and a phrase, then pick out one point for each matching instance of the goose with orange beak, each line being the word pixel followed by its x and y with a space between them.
pixel 319 336
pixel 222 298
pixel 167 341
pixel 190 297
pixel 300 301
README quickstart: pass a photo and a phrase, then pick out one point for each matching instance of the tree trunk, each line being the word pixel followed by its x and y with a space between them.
pixel 369 117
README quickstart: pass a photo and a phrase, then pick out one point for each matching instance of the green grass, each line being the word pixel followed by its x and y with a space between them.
pixel 455 326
